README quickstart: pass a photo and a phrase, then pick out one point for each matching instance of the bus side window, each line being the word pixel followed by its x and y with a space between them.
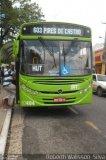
pixel 94 78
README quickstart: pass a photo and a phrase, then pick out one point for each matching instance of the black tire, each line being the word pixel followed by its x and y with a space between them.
pixel 99 92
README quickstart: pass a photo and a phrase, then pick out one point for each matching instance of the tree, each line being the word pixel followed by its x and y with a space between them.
pixel 28 12
pixel 6 12
pixel 12 14
pixel 17 12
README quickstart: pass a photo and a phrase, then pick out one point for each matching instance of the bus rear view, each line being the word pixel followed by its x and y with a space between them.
pixel 54 62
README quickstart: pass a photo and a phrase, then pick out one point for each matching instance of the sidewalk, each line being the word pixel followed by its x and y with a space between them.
pixel 2 110
pixel 5 116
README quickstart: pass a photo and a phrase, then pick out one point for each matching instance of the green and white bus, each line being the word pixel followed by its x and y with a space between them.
pixel 53 64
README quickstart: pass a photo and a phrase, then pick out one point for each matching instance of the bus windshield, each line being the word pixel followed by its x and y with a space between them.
pixel 55 57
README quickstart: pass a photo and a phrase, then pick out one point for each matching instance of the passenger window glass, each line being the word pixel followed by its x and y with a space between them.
pixel 94 77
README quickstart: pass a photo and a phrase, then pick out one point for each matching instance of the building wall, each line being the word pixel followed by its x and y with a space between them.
pixel 98 56
pixel 99 61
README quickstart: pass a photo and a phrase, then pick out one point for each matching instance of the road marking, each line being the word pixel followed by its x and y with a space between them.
pixel 91 124
pixel 73 110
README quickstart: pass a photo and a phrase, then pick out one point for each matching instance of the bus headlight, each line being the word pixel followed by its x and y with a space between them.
pixel 35 93
pixel 85 90
pixel 29 90
pixel 23 86
pixel 81 91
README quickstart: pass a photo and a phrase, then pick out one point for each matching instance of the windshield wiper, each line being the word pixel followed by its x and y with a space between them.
pixel 46 47
pixel 64 54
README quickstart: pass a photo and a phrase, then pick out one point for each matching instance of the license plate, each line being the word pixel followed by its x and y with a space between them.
pixel 59 99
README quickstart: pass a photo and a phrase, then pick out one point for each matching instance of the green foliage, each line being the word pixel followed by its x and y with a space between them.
pixel 6 10
pixel 13 13
pixel 17 12
pixel 29 13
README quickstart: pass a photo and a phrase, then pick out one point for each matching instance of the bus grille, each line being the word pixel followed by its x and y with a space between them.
pixel 68 94
pixel 52 92
pixel 58 81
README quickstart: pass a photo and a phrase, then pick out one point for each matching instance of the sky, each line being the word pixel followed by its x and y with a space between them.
pixel 91 13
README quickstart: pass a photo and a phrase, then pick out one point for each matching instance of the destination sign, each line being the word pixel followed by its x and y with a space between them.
pixel 56 29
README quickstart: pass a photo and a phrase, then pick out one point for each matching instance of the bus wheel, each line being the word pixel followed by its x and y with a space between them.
pixel 99 92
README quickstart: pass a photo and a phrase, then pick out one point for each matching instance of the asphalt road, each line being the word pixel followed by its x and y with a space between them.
pixel 73 130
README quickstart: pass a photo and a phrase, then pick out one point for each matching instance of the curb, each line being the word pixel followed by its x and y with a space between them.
pixel 4 133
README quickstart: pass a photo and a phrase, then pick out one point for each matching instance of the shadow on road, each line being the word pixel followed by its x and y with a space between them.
pixel 49 112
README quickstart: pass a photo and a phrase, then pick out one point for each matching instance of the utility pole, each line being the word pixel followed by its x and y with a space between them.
pixel 103 71
pixel 1 40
